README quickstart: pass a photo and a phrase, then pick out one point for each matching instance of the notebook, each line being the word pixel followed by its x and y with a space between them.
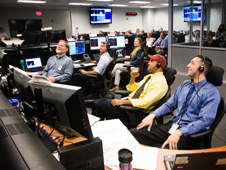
pixel 196 161
pixel 120 53
pixel 34 64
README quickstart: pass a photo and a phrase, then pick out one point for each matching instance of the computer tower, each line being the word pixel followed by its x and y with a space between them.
pixel 85 155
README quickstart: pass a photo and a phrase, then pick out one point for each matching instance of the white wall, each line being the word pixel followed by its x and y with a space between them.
pixel 148 19
pixel 60 18
pixel 120 22
pixel 161 18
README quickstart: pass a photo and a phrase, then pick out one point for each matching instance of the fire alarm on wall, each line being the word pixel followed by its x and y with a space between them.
pixel 131 13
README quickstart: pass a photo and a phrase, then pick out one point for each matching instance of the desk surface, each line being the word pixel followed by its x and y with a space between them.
pixel 161 152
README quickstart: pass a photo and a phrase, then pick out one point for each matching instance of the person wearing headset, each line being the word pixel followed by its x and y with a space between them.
pixel 196 101
pixel 144 94
pixel 79 78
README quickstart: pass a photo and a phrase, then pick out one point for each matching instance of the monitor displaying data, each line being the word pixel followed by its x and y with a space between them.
pixel 76 47
pixel 192 13
pixel 100 15
pixel 116 41
pixel 95 42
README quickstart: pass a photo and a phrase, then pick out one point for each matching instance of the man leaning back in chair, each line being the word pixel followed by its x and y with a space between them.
pixel 196 101
pixel 144 94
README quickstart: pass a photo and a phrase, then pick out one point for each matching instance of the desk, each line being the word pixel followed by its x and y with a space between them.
pixel 161 152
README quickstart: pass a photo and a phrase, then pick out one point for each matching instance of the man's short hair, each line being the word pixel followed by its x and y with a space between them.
pixel 210 34
pixel 66 44
pixel 107 44
pixel 208 64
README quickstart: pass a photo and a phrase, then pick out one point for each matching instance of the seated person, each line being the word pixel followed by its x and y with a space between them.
pixel 116 33
pixel 60 66
pixel 196 102
pixel 197 36
pixel 78 79
pixel 3 33
pixel 187 37
pixel 82 38
pixel 149 37
pixel 210 42
pixel 160 44
pixel 144 94
pixel 135 60
pixel 221 35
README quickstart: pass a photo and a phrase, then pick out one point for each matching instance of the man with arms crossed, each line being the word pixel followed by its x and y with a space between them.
pixel 197 102
pixel 155 87
pixel 59 67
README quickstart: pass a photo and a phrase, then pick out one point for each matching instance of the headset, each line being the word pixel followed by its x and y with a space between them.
pixel 159 63
pixel 201 68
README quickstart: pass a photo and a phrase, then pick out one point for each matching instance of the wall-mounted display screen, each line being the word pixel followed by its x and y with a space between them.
pixel 192 13
pixel 100 15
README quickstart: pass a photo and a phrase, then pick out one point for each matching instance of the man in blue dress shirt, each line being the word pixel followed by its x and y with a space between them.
pixel 60 66
pixel 197 102
pixel 160 44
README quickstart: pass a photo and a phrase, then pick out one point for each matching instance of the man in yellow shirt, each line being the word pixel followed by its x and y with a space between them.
pixel 145 94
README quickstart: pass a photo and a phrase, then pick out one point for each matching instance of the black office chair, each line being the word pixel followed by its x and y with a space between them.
pixel 101 88
pixel 204 137
pixel 126 75
pixel 136 114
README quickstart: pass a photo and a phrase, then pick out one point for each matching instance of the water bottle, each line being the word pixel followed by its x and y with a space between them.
pixel 23 65
pixel 125 158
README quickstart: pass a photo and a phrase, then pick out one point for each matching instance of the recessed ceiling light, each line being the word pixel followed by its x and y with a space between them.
pixel 165 4
pixel 83 4
pixel 118 5
pixel 29 1
pixel 101 0
pixel 139 2
pixel 147 7
pixel 175 4
pixel 195 2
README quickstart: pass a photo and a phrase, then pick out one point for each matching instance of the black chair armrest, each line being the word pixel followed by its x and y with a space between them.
pixel 66 81
pixel 128 66
pixel 200 134
pixel 92 75
pixel 130 108
pixel 122 92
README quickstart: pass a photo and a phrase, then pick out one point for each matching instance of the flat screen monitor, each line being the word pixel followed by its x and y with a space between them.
pixel 100 15
pixel 21 81
pixel 95 42
pixel 56 35
pixel 76 47
pixel 192 13
pixel 18 26
pixel 116 41
pixel 69 106
pixel 34 37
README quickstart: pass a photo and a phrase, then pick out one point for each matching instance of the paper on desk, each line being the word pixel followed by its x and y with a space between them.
pixel 143 157
pixel 92 119
pixel 113 135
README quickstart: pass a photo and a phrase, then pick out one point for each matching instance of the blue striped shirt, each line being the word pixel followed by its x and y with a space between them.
pixel 61 68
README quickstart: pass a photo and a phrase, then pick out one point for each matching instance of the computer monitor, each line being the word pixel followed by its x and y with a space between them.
pixel 116 41
pixel 34 37
pixel 56 35
pixel 21 81
pixel 76 47
pixel 95 42
pixel 69 106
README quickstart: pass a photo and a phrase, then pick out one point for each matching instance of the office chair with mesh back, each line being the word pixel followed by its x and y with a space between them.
pixel 204 137
pixel 136 114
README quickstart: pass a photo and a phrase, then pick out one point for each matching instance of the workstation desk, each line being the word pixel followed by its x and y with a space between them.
pixel 161 152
